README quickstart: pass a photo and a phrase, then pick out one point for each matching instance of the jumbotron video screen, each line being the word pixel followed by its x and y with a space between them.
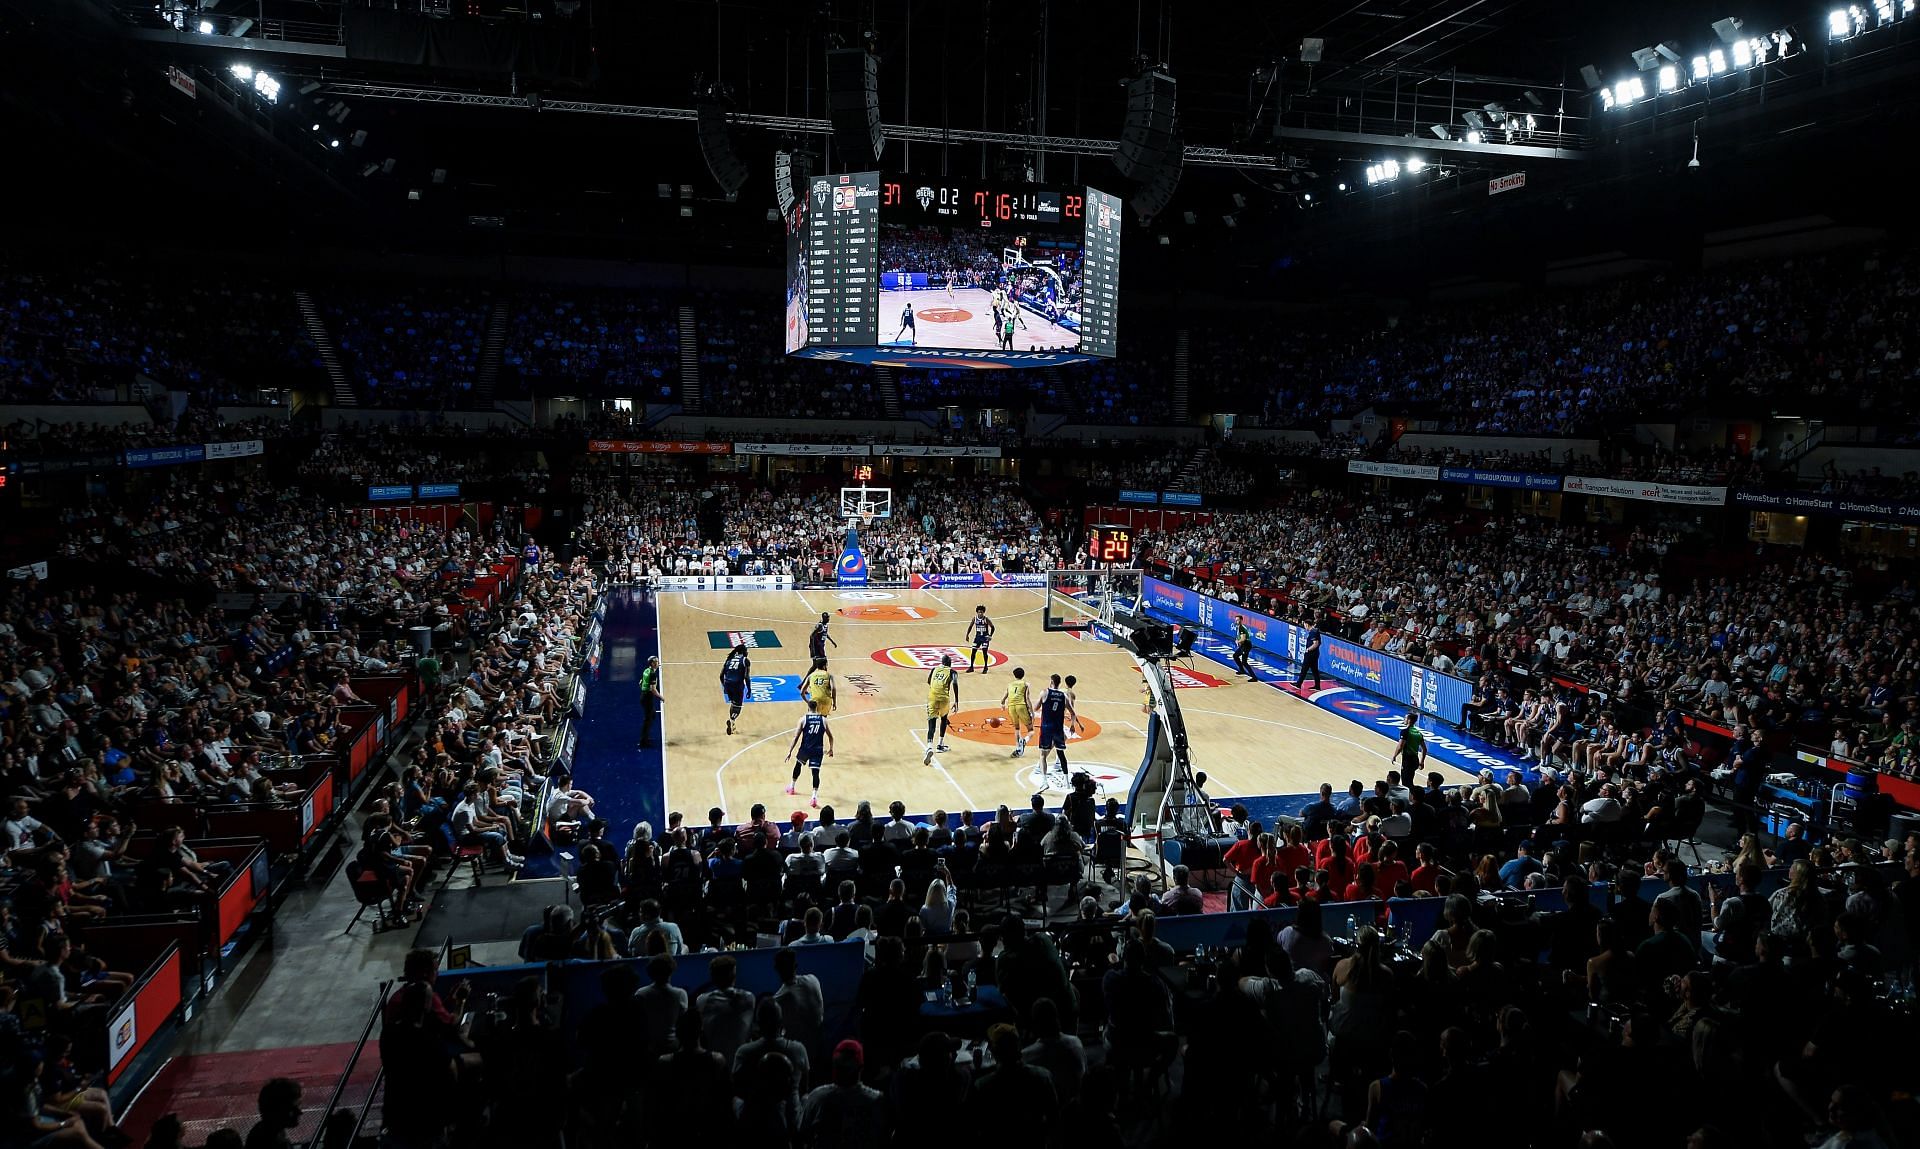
pixel 949 273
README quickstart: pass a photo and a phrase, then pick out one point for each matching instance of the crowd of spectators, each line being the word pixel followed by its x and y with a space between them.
pixel 1826 329
pixel 743 370
pixel 79 332
pixel 1528 939
pixel 594 343
pixel 358 456
pixel 420 347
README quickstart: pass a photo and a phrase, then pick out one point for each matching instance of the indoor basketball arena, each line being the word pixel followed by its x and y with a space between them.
pixel 585 575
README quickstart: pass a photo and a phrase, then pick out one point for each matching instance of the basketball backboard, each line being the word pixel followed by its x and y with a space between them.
pixel 1078 599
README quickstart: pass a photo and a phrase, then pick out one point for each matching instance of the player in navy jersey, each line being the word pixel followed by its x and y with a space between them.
pixel 735 672
pixel 818 640
pixel 808 739
pixel 906 325
pixel 980 634
pixel 1056 710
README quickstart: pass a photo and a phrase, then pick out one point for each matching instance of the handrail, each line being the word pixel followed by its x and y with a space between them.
pixel 340 1086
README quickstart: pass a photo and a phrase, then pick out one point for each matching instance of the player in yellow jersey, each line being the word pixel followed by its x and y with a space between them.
pixel 1019 707
pixel 943 694
pixel 818 688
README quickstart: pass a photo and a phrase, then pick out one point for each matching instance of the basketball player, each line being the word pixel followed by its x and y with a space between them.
pixel 1006 327
pixel 951 277
pixel 1056 710
pixel 807 738
pixel 999 301
pixel 1073 704
pixel 943 693
pixel 818 688
pixel 1019 708
pixel 906 325
pixel 735 673
pixel 980 633
pixel 1242 649
pixel 1309 658
pixel 818 640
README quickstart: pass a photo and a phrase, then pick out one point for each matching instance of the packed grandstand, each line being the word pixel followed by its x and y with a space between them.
pixel 1554 533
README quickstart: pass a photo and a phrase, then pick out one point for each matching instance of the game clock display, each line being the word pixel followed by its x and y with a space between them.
pixel 1111 545
pixel 903 271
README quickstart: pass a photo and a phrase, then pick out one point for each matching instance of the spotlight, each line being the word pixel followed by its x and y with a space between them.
pixel 1474 137
pixel 242 72
pixel 333 143
pixel 686 211
pixel 1646 59
pixel 1440 131
pixel 1669 78
pixel 1474 120
pixel 1229 221
pixel 1717 61
pixel 439 175
pixel 1590 75
pixel 316 127
pixel 1343 187
pixel 1533 101
pixel 1307 196
pixel 206 27
pixel 1742 54
pixel 1311 49
pixel 1700 71
pixel 1728 29
pixel 413 193
pixel 359 138
pixel 310 87
pixel 1669 50
pixel 1416 165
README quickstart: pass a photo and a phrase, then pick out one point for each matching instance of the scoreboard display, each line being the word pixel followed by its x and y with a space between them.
pixel 910 271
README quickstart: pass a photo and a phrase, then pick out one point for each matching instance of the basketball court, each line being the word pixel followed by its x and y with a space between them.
pixel 1251 739
pixel 964 321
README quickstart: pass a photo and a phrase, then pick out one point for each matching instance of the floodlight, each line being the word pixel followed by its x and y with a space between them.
pixel 1343 187
pixel 1307 196
pixel 665 190
pixel 1311 49
pixel 414 194
pixel 1531 122
pixel 686 211
pixel 1533 101
pixel 1591 76
pixel 439 175
pixel 1190 218
pixel 1474 137
pixel 1440 131
pixel 1229 221
pixel 316 127
pixel 206 27
pixel 1838 24
pixel 1646 59
pixel 333 144
pixel 1742 54
pixel 1717 60
pixel 1392 168
pixel 1699 68
pixel 1416 164
pixel 1669 78
pixel 359 138
pixel 1474 120
pixel 1669 50
pixel 1728 29
pixel 242 72
pixel 310 87
pixel 267 86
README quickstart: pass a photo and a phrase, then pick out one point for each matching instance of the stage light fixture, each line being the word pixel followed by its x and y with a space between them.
pixel 359 138
pixel 1839 24
pixel 1416 165
pixel 1307 196
pixel 1440 131
pixel 206 27
pixel 1700 71
pixel 413 193
pixel 439 175
pixel 1533 101
pixel 1343 187
pixel 1646 59
pixel 1669 50
pixel 316 127
pixel 242 72
pixel 1474 137
pixel 333 143
pixel 310 87
pixel 686 211
pixel 1743 54
pixel 1590 75
pixel 1717 61
pixel 1474 120
pixel 1669 78
pixel 1727 29
pixel 1311 49
pixel 267 86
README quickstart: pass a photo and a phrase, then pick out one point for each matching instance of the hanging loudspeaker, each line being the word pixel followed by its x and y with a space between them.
pixel 716 147
pixel 1146 136
pixel 853 107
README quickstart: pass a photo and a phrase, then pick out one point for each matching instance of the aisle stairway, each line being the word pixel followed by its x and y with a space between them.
pixel 889 389
pixel 1188 477
pixel 492 350
pixel 344 394
pixel 690 400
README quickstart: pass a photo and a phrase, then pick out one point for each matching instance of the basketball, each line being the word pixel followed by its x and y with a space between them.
pixel 994 722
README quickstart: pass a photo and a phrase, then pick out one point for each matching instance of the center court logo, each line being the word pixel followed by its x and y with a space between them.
pixel 928 657
pixel 863 596
pixel 1108 781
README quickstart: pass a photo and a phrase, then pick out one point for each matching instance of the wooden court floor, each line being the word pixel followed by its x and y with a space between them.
pixel 1250 739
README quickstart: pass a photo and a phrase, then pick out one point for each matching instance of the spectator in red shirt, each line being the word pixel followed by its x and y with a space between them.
pixel 1294 854
pixel 1362 888
pixel 1426 871
pixel 1389 870
pixel 1241 856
